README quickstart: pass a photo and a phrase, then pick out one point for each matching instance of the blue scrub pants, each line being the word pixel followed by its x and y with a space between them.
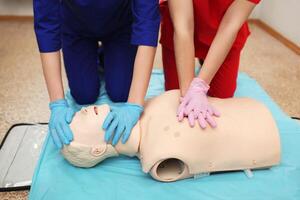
pixel 80 53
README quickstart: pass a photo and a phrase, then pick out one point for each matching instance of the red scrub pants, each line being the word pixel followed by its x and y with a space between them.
pixel 223 84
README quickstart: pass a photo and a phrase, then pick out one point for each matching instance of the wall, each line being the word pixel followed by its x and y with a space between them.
pixel 16 7
pixel 281 15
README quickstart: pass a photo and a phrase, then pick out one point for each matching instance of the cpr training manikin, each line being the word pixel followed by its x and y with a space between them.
pixel 246 138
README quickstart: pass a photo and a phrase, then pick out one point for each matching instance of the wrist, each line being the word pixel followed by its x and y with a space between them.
pixel 135 105
pixel 136 101
pixel 200 84
pixel 58 103
pixel 54 98
pixel 206 77
pixel 184 85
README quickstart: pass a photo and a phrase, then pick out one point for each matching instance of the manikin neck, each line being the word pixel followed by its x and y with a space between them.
pixel 131 147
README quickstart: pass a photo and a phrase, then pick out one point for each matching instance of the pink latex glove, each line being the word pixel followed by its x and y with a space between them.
pixel 195 105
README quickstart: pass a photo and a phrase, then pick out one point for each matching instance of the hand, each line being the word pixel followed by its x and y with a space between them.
pixel 120 121
pixel 195 105
pixel 61 117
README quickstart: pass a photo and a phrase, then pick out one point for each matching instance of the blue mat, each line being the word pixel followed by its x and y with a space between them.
pixel 122 178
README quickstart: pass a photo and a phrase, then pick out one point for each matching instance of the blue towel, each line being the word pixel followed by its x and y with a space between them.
pixel 122 178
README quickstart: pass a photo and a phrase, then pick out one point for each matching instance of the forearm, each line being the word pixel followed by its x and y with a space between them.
pixel 234 18
pixel 217 53
pixel 141 75
pixel 185 60
pixel 52 72
pixel 183 22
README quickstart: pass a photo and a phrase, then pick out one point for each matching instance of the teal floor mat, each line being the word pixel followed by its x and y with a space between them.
pixel 122 177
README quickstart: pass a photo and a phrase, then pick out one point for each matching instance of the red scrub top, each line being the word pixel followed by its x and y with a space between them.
pixel 207 15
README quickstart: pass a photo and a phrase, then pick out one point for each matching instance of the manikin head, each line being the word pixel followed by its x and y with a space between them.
pixel 88 147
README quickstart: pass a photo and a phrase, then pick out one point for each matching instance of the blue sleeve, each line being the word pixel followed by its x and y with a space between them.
pixel 47 24
pixel 146 21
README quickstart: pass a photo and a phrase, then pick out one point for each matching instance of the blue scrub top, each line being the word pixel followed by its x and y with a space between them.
pixel 95 18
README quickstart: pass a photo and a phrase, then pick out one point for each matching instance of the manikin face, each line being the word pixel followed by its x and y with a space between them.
pixel 87 125
pixel 88 147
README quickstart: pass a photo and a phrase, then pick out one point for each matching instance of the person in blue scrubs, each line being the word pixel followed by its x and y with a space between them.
pixel 128 32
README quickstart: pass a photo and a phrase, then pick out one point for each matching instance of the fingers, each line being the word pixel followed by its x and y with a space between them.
pixel 181 108
pixel 209 110
pixel 108 120
pixel 55 138
pixel 180 114
pixel 210 120
pixel 110 130
pixel 126 134
pixel 61 134
pixel 203 114
pixel 191 118
pixel 184 101
pixel 188 109
pixel 68 133
pixel 118 134
pixel 201 120
pixel 69 116
pixel 215 112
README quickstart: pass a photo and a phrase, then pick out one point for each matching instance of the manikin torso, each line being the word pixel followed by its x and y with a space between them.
pixel 246 138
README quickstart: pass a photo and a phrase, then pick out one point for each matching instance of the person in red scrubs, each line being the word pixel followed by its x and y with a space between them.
pixel 214 31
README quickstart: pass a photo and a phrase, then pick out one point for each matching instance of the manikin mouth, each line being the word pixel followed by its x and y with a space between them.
pixel 96 110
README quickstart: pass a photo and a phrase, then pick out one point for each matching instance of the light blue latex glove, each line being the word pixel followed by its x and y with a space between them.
pixel 61 117
pixel 120 121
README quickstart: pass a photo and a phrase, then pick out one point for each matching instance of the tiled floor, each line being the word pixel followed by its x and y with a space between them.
pixel 23 94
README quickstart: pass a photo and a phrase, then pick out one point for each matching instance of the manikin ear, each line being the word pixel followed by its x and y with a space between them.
pixel 98 150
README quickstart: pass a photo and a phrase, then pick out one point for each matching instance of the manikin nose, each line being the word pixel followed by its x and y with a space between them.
pixel 96 110
pixel 84 111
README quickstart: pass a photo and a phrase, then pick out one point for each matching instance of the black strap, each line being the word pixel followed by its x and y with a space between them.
pixel 296 118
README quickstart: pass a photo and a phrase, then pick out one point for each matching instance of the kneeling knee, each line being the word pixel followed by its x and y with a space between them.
pixel 87 96
pixel 117 94
pixel 117 97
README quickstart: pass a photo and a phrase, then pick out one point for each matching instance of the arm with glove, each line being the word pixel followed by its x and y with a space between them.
pixel 47 30
pixel 194 103
pixel 123 117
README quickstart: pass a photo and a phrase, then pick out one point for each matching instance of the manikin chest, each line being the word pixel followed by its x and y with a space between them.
pixel 246 138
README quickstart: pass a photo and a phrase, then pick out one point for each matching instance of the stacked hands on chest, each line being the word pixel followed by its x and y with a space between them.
pixel 195 106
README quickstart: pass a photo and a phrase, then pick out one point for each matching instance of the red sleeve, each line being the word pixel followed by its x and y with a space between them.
pixel 254 1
